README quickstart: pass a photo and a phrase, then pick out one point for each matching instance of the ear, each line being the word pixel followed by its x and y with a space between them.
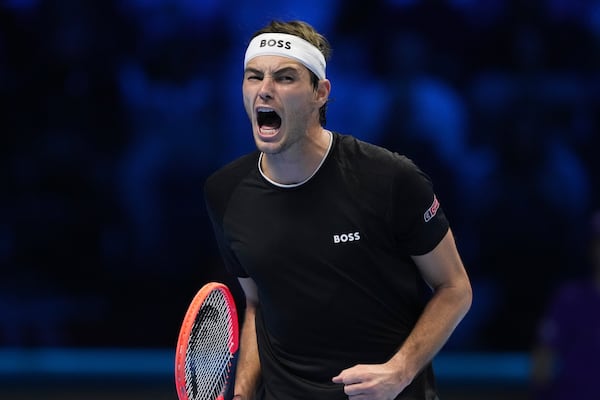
pixel 323 91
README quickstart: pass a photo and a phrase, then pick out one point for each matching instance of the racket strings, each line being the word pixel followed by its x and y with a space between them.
pixel 208 358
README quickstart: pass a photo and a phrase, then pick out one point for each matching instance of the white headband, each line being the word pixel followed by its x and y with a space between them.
pixel 283 44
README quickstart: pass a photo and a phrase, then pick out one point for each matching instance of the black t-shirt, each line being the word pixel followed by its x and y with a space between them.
pixel 331 260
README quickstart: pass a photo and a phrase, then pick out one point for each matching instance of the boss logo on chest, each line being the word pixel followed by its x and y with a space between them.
pixel 346 237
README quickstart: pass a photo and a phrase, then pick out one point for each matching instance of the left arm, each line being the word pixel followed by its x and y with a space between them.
pixel 444 272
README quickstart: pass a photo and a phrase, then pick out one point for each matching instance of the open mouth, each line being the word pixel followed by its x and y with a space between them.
pixel 268 121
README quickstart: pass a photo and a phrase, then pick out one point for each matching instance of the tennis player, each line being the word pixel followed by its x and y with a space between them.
pixel 352 278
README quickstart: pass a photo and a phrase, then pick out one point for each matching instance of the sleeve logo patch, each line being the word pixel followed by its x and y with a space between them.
pixel 432 210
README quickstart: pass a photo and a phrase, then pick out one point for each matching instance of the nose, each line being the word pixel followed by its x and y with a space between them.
pixel 266 89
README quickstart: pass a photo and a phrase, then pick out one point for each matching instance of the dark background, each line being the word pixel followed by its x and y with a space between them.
pixel 115 111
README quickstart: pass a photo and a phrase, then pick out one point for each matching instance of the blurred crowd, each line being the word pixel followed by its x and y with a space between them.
pixel 115 111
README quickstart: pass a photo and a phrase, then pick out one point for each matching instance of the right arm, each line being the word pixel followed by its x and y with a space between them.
pixel 248 363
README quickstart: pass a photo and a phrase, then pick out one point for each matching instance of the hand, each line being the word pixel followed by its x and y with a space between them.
pixel 372 382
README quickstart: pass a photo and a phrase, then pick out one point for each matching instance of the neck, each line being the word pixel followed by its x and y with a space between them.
pixel 294 167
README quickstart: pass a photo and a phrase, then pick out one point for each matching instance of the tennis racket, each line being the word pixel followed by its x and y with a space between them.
pixel 208 340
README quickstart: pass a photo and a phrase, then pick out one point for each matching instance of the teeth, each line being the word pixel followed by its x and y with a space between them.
pixel 264 109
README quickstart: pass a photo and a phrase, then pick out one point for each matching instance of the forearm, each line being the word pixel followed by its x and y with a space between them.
pixel 444 272
pixel 440 317
pixel 248 364
pixel 385 381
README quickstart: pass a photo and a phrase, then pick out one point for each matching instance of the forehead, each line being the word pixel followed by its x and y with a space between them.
pixel 268 63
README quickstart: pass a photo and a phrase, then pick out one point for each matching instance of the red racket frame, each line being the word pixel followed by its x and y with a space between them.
pixel 186 330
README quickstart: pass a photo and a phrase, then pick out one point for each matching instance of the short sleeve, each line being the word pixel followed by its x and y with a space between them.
pixel 417 215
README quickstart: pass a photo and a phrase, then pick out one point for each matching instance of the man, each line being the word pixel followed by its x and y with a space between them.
pixel 332 240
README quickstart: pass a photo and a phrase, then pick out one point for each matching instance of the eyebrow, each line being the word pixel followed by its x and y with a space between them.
pixel 276 72
pixel 252 70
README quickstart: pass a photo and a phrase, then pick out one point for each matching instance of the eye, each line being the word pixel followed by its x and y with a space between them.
pixel 285 78
pixel 251 75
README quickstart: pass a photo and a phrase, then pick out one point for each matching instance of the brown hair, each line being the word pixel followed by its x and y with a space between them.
pixel 307 32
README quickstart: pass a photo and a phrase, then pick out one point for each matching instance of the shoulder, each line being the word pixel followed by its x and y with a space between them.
pixel 221 183
pixel 372 168
pixel 233 170
pixel 356 154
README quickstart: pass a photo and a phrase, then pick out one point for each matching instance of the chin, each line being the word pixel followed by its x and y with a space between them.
pixel 269 147
pixel 272 145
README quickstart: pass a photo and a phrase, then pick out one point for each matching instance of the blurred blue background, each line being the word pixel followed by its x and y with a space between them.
pixel 115 111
